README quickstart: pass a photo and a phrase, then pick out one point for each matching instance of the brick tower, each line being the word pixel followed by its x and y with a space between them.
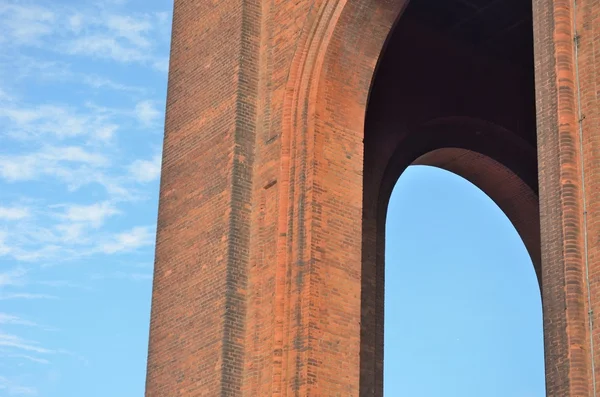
pixel 289 122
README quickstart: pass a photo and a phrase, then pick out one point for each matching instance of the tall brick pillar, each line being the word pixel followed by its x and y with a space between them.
pixel 261 272
pixel 567 37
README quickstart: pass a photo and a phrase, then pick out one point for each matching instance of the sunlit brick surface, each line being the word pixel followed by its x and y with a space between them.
pixel 281 150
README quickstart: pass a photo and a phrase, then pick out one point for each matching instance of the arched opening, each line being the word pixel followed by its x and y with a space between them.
pixel 462 300
pixel 454 89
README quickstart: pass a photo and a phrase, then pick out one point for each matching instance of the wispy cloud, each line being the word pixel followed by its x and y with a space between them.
pixel 131 29
pixel 73 166
pixel 9 319
pixel 23 67
pixel 49 161
pixel 93 214
pixel 26 24
pixel 12 277
pixel 77 112
pixel 14 213
pixel 91 32
pixel 25 295
pixel 27 358
pixel 18 343
pixel 146 170
pixel 147 113
pixel 58 121
pixel 13 388
pixel 123 276
pixel 128 241
pixel 96 81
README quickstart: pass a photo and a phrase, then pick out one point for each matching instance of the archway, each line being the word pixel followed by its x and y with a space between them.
pixel 461 98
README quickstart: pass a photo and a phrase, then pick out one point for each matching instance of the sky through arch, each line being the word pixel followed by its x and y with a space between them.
pixel 463 313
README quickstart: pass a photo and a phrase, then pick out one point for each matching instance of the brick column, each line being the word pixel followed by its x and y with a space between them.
pixel 586 120
pixel 202 251
pixel 566 71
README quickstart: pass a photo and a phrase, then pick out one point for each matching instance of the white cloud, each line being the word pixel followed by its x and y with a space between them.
pixel 146 170
pixel 9 319
pixel 124 276
pixel 18 390
pixel 120 38
pixel 4 248
pixel 29 244
pixel 26 296
pixel 71 143
pixel 73 166
pixel 4 96
pixel 133 30
pixel 15 389
pixel 147 113
pixel 129 241
pixel 50 162
pixel 26 24
pixel 28 358
pixel 73 233
pixel 103 82
pixel 22 67
pixel 100 46
pixel 106 132
pixel 18 343
pixel 58 121
pixel 76 22
pixel 14 213
pixel 13 277
pixel 89 31
pixel 161 64
pixel 94 214
pixel 31 255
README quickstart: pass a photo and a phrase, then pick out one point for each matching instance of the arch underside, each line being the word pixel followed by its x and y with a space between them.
pixel 449 101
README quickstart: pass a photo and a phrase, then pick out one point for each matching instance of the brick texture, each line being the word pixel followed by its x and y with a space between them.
pixel 288 124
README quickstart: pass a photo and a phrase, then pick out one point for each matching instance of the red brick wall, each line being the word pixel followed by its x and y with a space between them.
pixel 269 259
pixel 587 98
pixel 564 257
pixel 198 305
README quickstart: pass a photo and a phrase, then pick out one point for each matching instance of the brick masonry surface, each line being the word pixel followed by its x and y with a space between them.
pixel 276 175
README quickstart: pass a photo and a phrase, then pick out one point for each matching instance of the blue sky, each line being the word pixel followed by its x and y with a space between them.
pixel 463 307
pixel 82 94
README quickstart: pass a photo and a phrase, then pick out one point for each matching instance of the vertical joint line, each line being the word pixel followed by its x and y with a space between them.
pixel 580 118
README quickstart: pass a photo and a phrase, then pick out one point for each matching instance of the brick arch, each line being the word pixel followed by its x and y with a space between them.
pixel 514 197
pixel 265 280
pixel 495 160
pixel 320 202
pixel 326 128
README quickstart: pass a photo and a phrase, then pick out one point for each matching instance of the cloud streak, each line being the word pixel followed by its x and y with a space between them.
pixel 17 343
pixel 9 319
pixel 14 213
pixel 94 214
pixel 87 31
pixel 130 240
pixel 15 389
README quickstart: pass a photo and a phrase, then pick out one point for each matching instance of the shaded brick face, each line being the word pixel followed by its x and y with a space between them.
pixel 287 126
